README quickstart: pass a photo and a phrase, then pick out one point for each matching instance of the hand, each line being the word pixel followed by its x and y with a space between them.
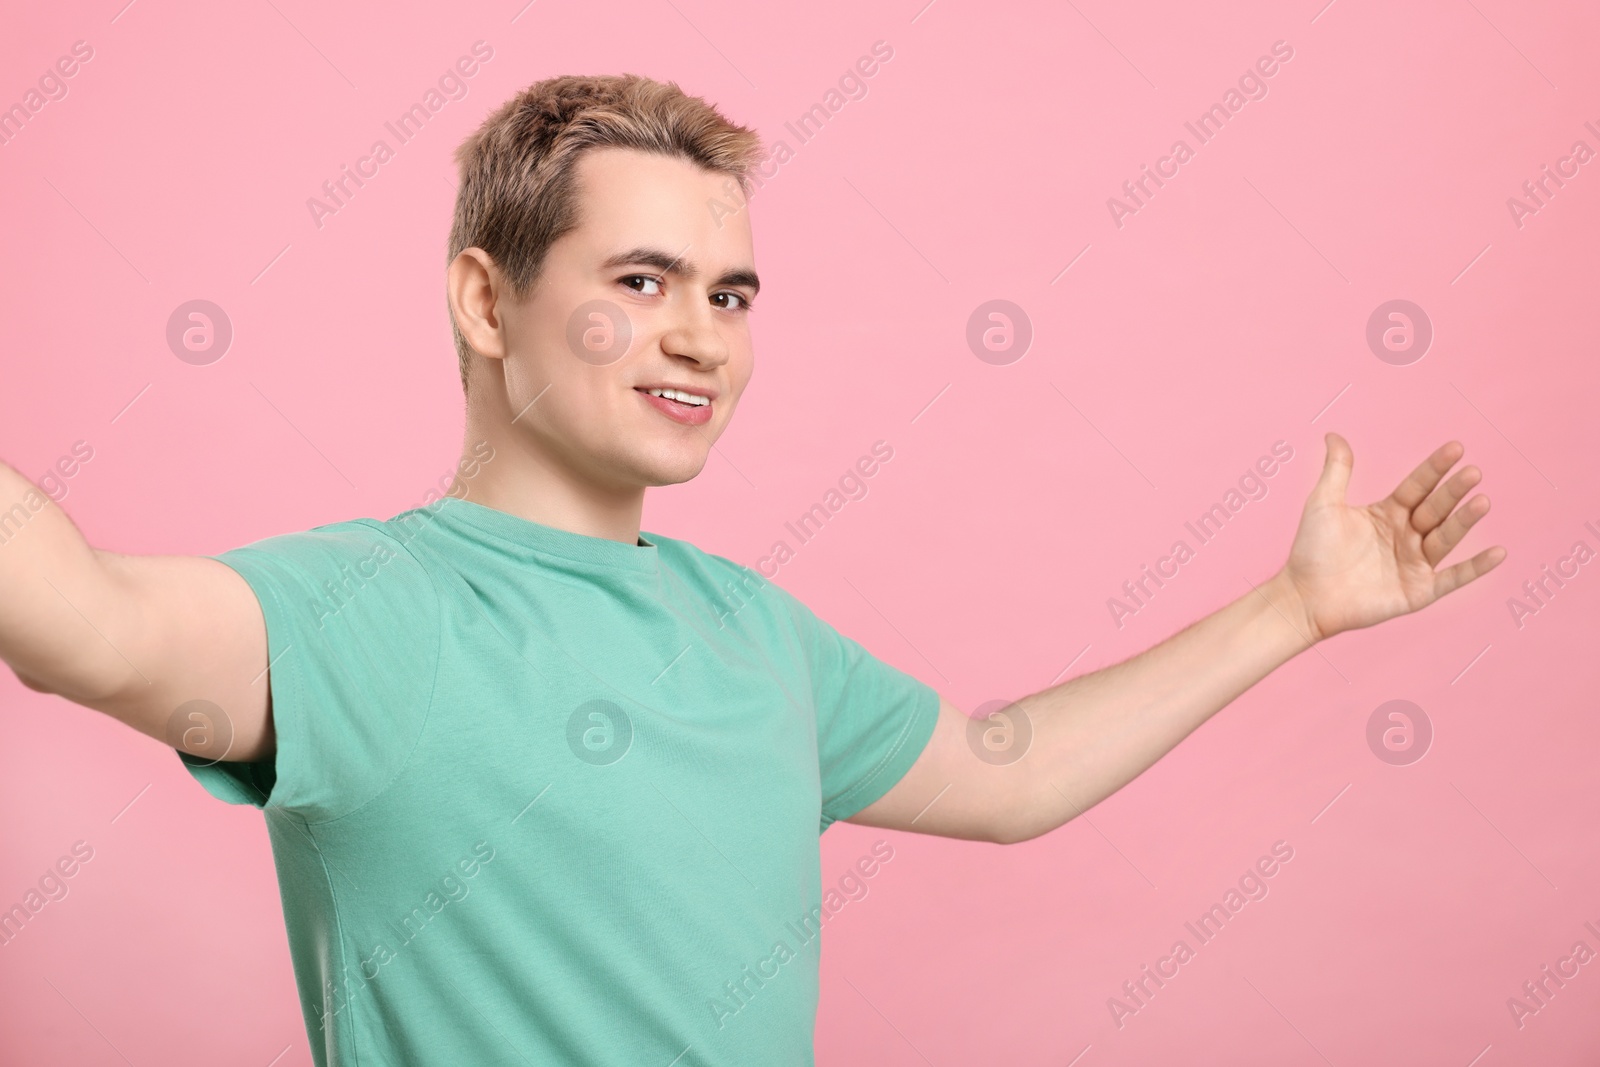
pixel 1355 566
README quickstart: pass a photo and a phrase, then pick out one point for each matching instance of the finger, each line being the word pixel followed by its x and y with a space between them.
pixel 1415 487
pixel 1434 510
pixel 1437 544
pixel 1452 578
pixel 1335 477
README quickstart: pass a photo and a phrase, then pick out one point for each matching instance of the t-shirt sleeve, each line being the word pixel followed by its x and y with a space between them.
pixel 353 628
pixel 873 719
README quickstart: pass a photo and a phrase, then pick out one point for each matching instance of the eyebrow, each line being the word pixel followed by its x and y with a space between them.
pixel 683 268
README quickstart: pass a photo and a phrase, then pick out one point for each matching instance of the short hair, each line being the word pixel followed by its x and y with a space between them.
pixel 518 193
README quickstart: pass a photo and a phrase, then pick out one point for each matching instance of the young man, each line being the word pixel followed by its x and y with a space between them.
pixel 542 788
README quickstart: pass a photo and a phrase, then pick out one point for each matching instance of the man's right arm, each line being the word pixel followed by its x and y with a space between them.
pixel 135 637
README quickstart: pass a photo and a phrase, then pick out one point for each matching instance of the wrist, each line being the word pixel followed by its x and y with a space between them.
pixel 1288 602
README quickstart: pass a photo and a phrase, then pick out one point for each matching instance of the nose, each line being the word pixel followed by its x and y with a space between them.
pixel 693 331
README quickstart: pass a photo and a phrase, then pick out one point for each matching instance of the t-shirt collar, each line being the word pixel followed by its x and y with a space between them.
pixel 524 533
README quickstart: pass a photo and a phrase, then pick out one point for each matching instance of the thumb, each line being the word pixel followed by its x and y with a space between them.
pixel 1335 479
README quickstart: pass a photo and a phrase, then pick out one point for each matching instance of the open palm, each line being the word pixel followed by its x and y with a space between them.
pixel 1356 566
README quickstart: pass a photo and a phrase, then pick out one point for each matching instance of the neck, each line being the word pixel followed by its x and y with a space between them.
pixel 524 479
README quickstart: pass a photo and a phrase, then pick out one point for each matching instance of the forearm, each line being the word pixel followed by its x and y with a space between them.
pixel 52 583
pixel 1348 568
pixel 1095 733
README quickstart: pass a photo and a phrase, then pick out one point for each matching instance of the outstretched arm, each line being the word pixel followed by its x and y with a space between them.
pixel 136 637
pixel 1349 567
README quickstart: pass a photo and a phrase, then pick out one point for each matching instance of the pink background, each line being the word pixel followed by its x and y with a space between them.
pixel 1227 314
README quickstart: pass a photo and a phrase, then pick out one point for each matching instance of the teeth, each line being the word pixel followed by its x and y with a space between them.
pixel 675 394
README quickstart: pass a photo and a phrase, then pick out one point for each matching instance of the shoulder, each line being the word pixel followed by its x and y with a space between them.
pixel 731 585
pixel 351 541
pixel 689 560
pixel 329 564
pixel 685 555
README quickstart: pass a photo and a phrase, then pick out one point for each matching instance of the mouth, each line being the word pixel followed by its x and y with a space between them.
pixel 680 405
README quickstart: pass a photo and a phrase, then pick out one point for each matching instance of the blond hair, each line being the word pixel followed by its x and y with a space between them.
pixel 518 191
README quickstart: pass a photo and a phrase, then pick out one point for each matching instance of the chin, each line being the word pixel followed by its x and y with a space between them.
pixel 662 470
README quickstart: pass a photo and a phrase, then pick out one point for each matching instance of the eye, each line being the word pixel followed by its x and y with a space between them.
pixel 647 279
pixel 744 304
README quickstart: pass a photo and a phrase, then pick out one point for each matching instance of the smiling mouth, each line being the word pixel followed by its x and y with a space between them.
pixel 679 395
pixel 692 411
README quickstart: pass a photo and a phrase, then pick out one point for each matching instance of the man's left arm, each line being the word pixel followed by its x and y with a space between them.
pixel 1349 567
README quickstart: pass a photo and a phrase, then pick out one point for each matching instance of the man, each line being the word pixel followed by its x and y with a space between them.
pixel 544 788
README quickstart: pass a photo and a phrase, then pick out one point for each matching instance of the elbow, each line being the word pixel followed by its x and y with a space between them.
pixel 1018 814
pixel 75 689
pixel 98 686
pixel 1016 834
pixel 1018 830
pixel 31 682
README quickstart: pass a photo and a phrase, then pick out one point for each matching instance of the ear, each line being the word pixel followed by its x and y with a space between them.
pixel 475 287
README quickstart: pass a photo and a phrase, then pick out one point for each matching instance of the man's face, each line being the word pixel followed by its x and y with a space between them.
pixel 648 256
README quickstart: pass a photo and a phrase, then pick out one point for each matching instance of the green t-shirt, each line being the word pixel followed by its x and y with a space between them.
pixel 546 798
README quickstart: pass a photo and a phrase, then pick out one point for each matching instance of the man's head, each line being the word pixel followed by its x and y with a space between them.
pixel 592 257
